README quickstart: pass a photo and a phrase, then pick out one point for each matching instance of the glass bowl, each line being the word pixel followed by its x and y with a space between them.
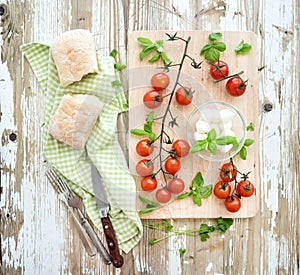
pixel 229 126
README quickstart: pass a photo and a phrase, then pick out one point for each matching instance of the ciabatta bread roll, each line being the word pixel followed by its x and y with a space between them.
pixel 74 119
pixel 74 55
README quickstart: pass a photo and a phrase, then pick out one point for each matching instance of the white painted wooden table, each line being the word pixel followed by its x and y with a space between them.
pixel 38 235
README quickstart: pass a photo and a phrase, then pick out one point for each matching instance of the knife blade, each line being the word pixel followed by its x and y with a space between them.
pixel 103 206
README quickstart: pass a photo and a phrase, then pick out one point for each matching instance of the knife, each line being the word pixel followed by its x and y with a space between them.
pixel 103 206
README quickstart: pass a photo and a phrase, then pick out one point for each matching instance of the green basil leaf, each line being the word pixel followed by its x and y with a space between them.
pixel 248 142
pixel 146 51
pixel 212 55
pixel 243 48
pixel 113 53
pixel 144 41
pixel 165 58
pixel 159 43
pixel 225 140
pixel 198 146
pixel 184 195
pixel 197 199
pixel 119 67
pixel 205 48
pixel 154 58
pixel 211 135
pixel 220 46
pixel 198 181
pixel 147 128
pixel 182 251
pixel 152 136
pixel 148 202
pixel 147 210
pixel 138 132
pixel 150 117
pixel 212 147
pixel 206 191
pixel 250 127
pixel 215 36
pixel 243 153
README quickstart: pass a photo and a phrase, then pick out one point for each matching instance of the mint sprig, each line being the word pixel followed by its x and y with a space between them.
pixel 153 47
pixel 212 50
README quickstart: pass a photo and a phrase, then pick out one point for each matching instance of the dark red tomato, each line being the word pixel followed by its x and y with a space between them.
pixel 184 95
pixel 152 99
pixel 233 203
pixel 172 165
pixel 245 188
pixel 219 69
pixel 222 190
pixel 160 81
pixel 144 167
pixel 236 86
pixel 149 184
pixel 176 185
pixel 181 147
pixel 163 195
pixel 144 147
pixel 228 172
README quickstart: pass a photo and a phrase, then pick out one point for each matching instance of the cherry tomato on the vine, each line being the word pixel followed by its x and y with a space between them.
pixel 232 203
pixel 184 95
pixel 163 195
pixel 144 167
pixel 172 165
pixel 149 183
pixel 152 99
pixel 219 69
pixel 222 189
pixel 236 86
pixel 144 147
pixel 160 81
pixel 176 185
pixel 245 188
pixel 228 172
pixel 181 147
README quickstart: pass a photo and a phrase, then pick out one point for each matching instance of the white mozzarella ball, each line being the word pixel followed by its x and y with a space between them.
pixel 228 132
pixel 198 136
pixel 202 127
pixel 225 125
pixel 226 115
pixel 216 127
pixel 224 148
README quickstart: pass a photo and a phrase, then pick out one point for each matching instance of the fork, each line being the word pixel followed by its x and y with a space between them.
pixel 74 201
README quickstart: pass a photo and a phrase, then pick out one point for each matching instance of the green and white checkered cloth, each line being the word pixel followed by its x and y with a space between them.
pixel 102 146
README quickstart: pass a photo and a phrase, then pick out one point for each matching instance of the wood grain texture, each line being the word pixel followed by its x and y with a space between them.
pixel 30 211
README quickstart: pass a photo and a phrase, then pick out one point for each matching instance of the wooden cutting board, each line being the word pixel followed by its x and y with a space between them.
pixel 140 73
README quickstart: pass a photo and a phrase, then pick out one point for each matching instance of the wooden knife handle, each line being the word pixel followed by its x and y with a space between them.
pixel 112 243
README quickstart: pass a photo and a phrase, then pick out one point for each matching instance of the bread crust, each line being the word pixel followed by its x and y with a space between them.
pixel 74 54
pixel 74 119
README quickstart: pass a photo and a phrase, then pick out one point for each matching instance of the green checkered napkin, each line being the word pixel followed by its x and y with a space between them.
pixel 102 146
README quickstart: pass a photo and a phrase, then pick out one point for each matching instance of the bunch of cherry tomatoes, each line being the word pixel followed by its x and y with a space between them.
pixel 145 147
pixel 160 81
pixel 242 188
pixel 235 85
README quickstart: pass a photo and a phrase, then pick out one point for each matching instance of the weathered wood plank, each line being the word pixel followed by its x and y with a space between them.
pixel 266 244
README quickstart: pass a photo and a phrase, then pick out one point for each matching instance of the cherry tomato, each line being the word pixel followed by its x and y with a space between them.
pixel 163 195
pixel 184 95
pixel 176 185
pixel 228 172
pixel 222 189
pixel 245 188
pixel 149 184
pixel 233 203
pixel 160 81
pixel 144 147
pixel 219 69
pixel 144 167
pixel 236 86
pixel 152 99
pixel 172 165
pixel 181 147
